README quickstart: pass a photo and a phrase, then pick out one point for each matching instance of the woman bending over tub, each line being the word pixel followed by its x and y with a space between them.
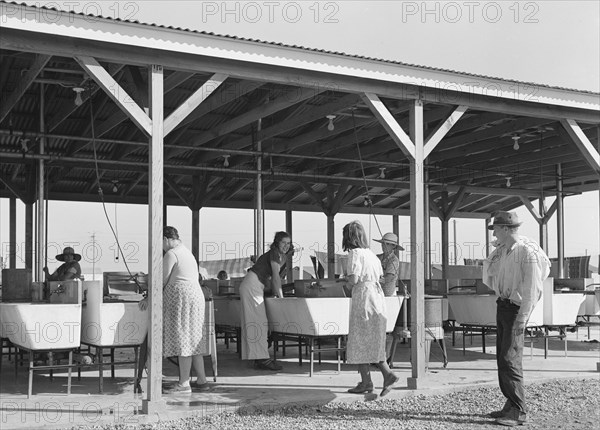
pixel 269 267
pixel 366 336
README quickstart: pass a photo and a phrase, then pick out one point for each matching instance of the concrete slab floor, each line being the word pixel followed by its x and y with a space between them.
pixel 241 388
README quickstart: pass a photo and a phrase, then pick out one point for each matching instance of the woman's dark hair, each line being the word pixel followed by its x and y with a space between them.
pixel 170 232
pixel 354 236
pixel 279 236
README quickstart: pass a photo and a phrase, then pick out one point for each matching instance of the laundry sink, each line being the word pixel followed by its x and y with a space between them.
pixel 41 326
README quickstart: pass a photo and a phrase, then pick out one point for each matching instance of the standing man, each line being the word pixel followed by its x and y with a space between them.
pixel 515 270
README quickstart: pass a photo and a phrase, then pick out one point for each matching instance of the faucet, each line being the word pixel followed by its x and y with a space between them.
pixel 59 290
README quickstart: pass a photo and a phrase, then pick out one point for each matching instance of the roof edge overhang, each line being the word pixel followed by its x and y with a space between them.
pixel 439 85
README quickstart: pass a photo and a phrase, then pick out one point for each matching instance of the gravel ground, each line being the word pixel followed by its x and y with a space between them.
pixel 559 404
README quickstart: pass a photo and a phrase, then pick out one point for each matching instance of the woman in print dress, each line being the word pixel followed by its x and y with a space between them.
pixel 366 337
pixel 183 313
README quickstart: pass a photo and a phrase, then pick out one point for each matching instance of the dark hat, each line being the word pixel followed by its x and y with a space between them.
pixel 390 238
pixel 68 250
pixel 505 219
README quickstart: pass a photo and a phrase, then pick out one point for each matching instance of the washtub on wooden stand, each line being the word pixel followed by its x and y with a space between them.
pixel 45 327
pixel 318 318
pixel 107 326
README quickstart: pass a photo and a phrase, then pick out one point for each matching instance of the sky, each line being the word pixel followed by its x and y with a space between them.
pixel 547 42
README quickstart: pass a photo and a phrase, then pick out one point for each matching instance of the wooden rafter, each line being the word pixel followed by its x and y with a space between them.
pixel 116 93
pixel 193 102
pixel 67 109
pixel 388 121
pixel 583 143
pixel 34 70
pixel 442 130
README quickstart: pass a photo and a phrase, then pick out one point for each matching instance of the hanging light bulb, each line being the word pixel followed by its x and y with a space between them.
pixel 516 138
pixel 508 178
pixel 78 100
pixel 382 173
pixel 115 188
pixel 226 160
pixel 330 126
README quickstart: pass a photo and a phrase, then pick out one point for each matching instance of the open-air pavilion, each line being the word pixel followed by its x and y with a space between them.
pixel 169 116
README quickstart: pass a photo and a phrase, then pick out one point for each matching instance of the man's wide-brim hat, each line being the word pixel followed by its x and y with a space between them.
pixel 391 239
pixel 68 251
pixel 505 219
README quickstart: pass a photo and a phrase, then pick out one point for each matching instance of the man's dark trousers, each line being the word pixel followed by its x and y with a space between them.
pixel 509 354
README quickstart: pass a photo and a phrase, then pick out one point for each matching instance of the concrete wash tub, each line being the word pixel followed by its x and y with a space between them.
pixel 320 317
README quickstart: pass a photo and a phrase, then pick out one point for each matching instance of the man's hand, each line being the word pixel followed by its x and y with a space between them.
pixel 143 304
pixel 519 326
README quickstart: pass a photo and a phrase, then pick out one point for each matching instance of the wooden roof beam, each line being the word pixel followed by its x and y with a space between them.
pixel 185 197
pixel 316 197
pixel 116 93
pixel 171 82
pixel 13 187
pixel 532 210
pixel 473 139
pixel 140 92
pixel 193 102
pixel 442 130
pixel 279 128
pixel 67 109
pixel 34 70
pixel 250 117
pixel 387 120
pixel 266 62
pixel 583 143
pixel 126 190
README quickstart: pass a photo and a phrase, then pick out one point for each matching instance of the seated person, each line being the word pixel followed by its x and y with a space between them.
pixel 70 269
pixel 222 275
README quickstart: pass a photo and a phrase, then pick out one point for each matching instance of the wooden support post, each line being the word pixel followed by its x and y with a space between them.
pixel 396 231
pixel 487 237
pixel 426 228
pixel 29 235
pixel 12 238
pixel 40 246
pixel 196 234
pixel 417 238
pixel 290 263
pixel 153 403
pixel 445 235
pixel 543 226
pixel 445 244
pixel 330 246
pixel 258 208
pixel 560 222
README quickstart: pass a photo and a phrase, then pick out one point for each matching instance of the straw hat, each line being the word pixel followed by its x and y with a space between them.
pixel 391 239
pixel 505 219
pixel 68 251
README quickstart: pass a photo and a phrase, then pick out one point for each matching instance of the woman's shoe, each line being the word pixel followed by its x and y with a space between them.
pixel 388 383
pixel 268 364
pixel 201 387
pixel 362 387
pixel 177 389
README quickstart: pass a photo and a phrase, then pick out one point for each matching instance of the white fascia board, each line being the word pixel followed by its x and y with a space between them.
pixel 27 18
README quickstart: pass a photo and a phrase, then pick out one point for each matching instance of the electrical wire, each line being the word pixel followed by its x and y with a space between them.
pixel 101 194
pixel 368 200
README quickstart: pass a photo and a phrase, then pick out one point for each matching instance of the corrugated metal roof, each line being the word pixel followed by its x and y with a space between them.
pixel 304 48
